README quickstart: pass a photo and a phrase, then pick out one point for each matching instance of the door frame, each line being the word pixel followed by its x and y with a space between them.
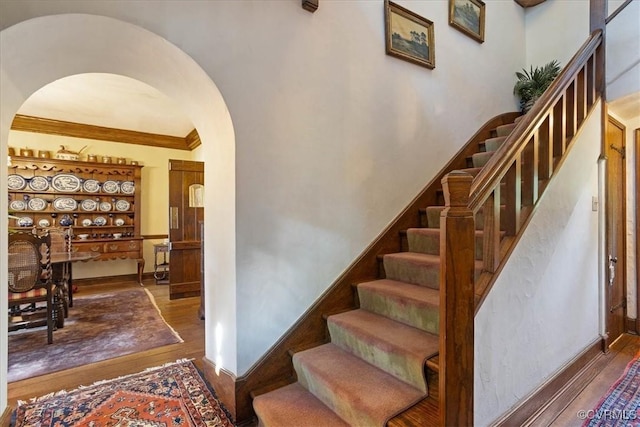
pixel 637 207
pixel 621 270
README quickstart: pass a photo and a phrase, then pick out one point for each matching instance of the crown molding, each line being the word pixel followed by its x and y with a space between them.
pixel 192 140
pixel 79 130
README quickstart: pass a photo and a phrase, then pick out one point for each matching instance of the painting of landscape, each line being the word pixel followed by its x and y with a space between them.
pixel 468 17
pixel 409 36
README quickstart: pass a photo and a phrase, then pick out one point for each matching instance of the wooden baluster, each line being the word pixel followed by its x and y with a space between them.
pixel 581 96
pixel 513 197
pixel 457 302
pixel 570 111
pixel 491 233
pixel 545 139
pixel 530 171
pixel 559 128
pixel 591 85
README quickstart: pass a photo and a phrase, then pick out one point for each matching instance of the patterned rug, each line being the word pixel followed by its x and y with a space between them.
pixel 170 395
pixel 621 405
pixel 99 327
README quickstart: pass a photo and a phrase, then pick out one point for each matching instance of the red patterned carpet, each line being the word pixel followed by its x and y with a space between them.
pixel 171 395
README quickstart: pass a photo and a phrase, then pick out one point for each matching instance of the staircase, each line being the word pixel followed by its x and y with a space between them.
pixel 382 357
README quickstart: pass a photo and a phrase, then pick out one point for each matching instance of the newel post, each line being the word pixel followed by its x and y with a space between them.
pixel 457 304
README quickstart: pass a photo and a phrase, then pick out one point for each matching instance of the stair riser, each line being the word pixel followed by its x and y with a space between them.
pixel 392 361
pixel 433 217
pixel 424 317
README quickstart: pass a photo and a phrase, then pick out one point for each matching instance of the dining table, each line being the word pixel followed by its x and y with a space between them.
pixel 61 264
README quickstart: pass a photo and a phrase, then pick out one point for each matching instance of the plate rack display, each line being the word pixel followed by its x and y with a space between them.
pixel 101 202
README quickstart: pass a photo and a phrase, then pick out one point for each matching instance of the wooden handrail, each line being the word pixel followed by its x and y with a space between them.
pixel 617 11
pixel 501 161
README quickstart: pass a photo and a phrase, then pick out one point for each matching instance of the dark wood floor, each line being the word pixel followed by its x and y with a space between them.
pixel 180 314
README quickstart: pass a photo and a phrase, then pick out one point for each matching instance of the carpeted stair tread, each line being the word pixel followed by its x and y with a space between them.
pixel 394 347
pixel 416 268
pixel 413 305
pixel 471 171
pixel 492 144
pixel 412 267
pixel 427 241
pixel 357 391
pixel 294 406
pixel 505 130
pixel 479 160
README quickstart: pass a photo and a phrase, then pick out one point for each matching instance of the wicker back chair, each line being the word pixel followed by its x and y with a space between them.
pixel 30 283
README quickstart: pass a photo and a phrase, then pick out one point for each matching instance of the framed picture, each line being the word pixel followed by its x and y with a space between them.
pixel 409 36
pixel 468 17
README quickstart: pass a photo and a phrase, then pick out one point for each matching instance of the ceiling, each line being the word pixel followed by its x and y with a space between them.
pixel 111 101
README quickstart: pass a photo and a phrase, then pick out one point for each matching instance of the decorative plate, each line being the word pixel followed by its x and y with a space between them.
pixel 128 187
pixel 100 220
pixel 65 182
pixel 91 186
pixel 16 182
pixel 25 221
pixel 37 204
pixel 119 222
pixel 110 187
pixel 44 222
pixel 122 205
pixel 39 183
pixel 65 204
pixel 17 205
pixel 86 222
pixel 88 205
pixel 105 206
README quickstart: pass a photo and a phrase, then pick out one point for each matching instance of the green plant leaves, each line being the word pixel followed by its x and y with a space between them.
pixel 532 84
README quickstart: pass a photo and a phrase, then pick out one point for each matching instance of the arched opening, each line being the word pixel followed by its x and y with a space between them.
pixel 42 50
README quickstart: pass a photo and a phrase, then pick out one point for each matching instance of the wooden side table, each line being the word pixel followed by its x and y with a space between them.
pixel 161 269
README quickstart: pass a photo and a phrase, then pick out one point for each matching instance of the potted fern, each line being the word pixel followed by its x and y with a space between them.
pixel 532 84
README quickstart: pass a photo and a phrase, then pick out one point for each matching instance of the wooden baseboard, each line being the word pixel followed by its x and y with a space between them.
pixel 226 387
pixel 632 326
pixel 544 404
pixel 88 281
pixel 5 418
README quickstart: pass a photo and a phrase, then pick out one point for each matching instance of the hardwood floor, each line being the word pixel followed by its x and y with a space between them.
pixel 181 314
pixel 620 354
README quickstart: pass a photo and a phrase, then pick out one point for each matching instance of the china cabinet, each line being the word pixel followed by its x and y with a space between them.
pixel 99 201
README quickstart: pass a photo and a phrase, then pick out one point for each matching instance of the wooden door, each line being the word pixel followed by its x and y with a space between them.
pixel 616 219
pixel 186 196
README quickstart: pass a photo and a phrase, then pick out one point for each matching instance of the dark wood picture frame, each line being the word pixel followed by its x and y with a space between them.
pixel 467 16
pixel 409 36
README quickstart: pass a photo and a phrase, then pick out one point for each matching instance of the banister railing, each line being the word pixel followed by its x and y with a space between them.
pixel 504 193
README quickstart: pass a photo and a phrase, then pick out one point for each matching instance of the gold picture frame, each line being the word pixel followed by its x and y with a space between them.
pixel 467 16
pixel 409 36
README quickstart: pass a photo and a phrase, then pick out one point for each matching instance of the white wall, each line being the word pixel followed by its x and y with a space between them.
pixel 333 137
pixel 555 30
pixel 540 313
pixel 155 190
pixel 623 51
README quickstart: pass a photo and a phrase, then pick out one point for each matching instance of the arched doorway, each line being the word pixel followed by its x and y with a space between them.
pixel 39 51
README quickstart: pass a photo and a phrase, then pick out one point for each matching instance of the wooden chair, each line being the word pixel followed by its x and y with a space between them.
pixel 61 241
pixel 30 284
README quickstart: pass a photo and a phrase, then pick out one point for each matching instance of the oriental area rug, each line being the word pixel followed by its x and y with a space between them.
pixel 621 405
pixel 99 327
pixel 171 395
